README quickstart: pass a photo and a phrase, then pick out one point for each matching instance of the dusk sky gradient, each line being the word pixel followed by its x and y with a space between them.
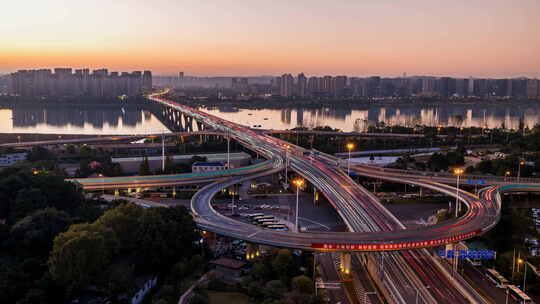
pixel 461 38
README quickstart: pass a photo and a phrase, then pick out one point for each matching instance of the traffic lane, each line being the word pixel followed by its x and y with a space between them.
pixel 373 227
pixel 329 274
pixel 477 276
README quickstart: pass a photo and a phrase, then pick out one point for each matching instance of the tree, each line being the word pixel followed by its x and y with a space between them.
pixel 118 279
pixel 283 264
pixel 165 235
pixel 261 271
pixel 40 153
pixel 35 233
pixel 274 289
pixel 144 167
pixel 80 254
pixel 26 202
pixel 123 221
pixel 86 152
pixel 302 284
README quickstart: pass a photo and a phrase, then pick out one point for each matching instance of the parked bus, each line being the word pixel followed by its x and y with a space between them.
pixel 268 220
pixel 269 223
pixel 497 278
pixel 262 217
pixel 279 227
pixel 518 295
pixel 251 216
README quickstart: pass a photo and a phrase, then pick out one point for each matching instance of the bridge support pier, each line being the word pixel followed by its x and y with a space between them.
pixel 252 251
pixel 345 262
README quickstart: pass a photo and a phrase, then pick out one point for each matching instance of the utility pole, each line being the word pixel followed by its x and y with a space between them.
pixel 162 153
pixel 228 150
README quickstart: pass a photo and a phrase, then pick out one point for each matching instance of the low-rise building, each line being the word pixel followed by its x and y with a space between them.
pixel 130 165
pixel 11 159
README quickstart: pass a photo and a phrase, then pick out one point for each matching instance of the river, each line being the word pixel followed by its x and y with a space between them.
pixel 135 119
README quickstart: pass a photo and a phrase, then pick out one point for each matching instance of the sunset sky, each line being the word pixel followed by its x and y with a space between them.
pixel 481 38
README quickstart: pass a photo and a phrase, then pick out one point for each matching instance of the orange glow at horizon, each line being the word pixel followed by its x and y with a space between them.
pixel 419 37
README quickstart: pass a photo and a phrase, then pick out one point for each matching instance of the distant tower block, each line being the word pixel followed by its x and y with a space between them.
pixel 181 79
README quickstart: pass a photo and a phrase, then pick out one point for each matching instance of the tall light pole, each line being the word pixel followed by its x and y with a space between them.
pixel 298 182
pixel 522 261
pixel 350 146
pixel 287 147
pixel 228 149
pixel 521 163
pixel 162 153
pixel 458 173
pixel 102 183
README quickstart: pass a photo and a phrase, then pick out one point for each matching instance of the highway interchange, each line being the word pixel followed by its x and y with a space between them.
pixel 407 270
pixel 404 273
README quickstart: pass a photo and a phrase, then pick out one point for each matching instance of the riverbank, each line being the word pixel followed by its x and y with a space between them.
pixel 348 103
pixel 25 137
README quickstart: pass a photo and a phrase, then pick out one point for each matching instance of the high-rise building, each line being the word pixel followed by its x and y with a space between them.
pixel 533 88
pixel 314 85
pixel 340 83
pixel 447 87
pixel 147 80
pixel 301 85
pixel 327 85
pixel 66 83
pixel 286 88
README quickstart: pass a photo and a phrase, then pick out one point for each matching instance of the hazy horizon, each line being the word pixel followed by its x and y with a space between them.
pixel 461 38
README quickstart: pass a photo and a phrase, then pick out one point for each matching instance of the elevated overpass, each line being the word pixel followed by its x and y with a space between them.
pixel 125 182
pixel 439 177
pixel 106 139
pixel 373 228
pixel 365 217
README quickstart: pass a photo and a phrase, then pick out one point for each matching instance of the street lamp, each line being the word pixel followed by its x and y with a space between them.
pixel 102 183
pixel 350 146
pixel 521 163
pixel 506 174
pixel 522 261
pixel 457 172
pixel 298 182
pixel 286 163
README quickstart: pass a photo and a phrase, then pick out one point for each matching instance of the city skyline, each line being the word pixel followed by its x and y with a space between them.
pixel 223 38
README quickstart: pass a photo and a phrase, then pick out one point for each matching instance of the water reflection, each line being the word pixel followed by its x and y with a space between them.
pixel 79 120
pixel 359 119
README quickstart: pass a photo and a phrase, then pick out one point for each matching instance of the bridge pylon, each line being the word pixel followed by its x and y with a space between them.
pixel 252 251
pixel 345 262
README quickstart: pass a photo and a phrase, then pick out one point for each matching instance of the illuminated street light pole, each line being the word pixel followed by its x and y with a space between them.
pixel 228 149
pixel 458 173
pixel 521 163
pixel 350 146
pixel 286 164
pixel 522 261
pixel 162 153
pixel 102 183
pixel 298 182
pixel 506 174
